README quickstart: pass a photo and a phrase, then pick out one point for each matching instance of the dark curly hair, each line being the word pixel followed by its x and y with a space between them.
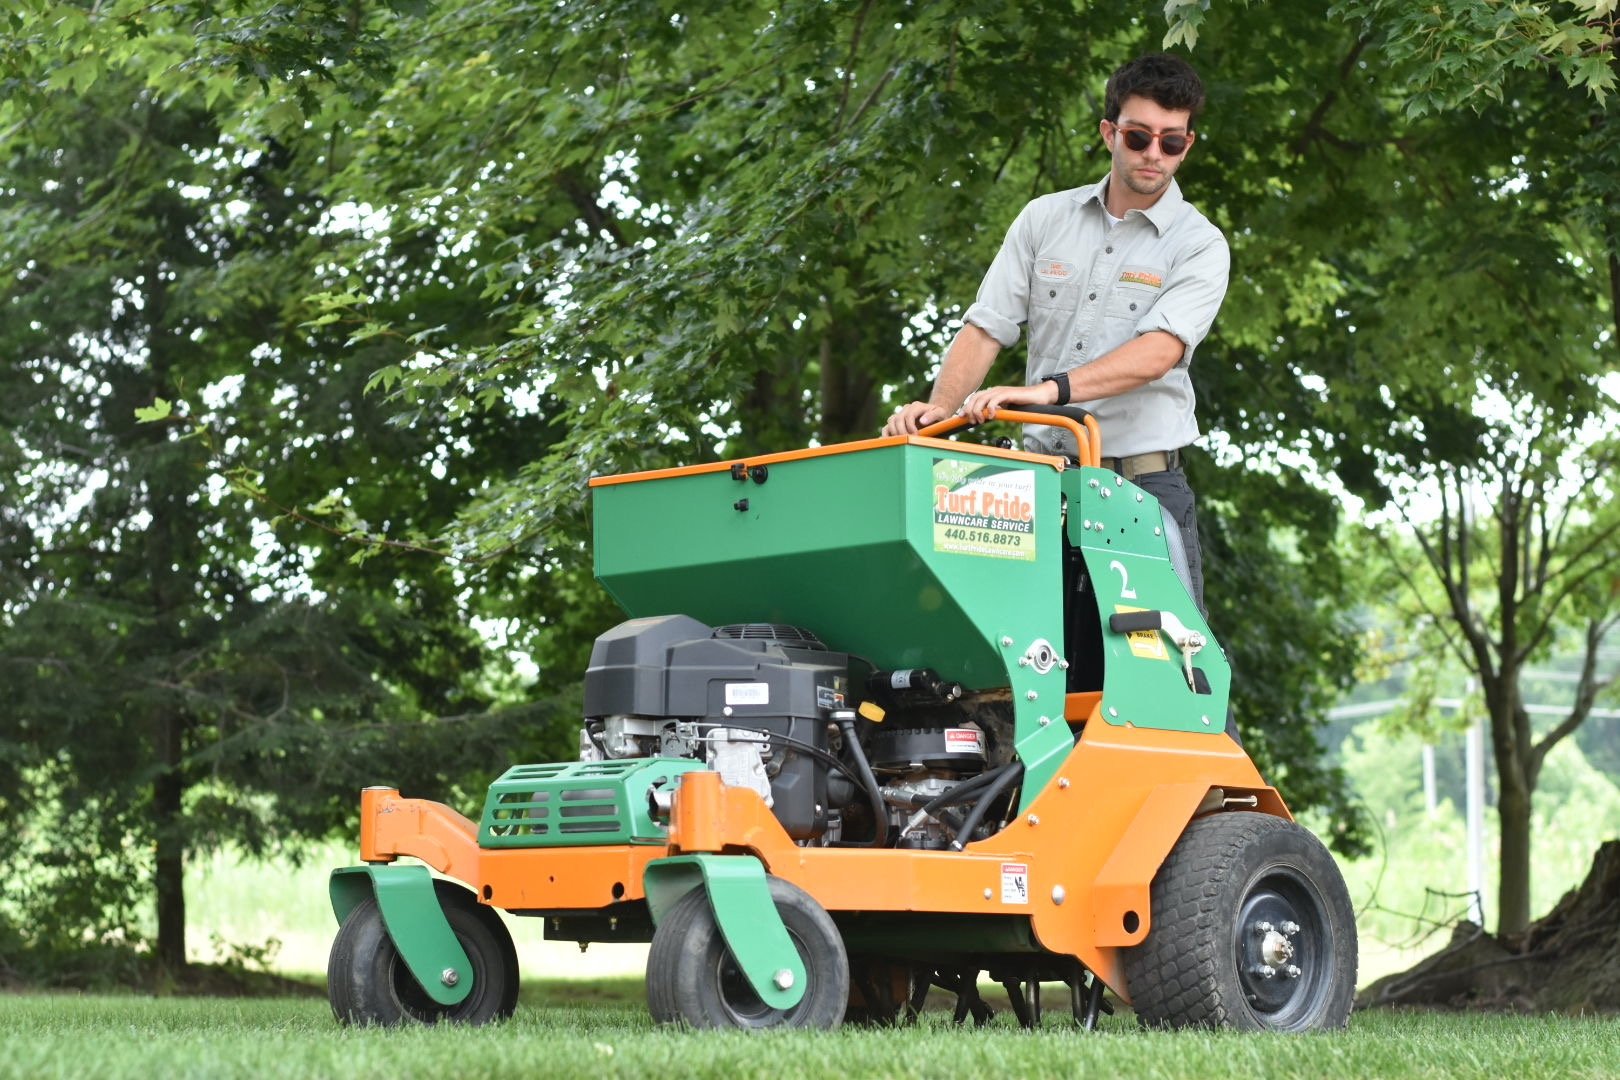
pixel 1167 80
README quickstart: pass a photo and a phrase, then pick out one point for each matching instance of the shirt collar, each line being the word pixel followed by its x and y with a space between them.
pixel 1162 213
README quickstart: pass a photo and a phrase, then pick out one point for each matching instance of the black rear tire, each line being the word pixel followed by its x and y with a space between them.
pixel 367 981
pixel 693 978
pixel 1252 929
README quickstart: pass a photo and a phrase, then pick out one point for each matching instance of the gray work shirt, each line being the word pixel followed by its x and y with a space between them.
pixel 1085 288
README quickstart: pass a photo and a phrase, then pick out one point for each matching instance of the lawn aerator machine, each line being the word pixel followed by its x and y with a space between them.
pixel 887 715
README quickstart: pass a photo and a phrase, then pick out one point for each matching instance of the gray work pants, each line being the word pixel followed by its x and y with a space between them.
pixel 1171 489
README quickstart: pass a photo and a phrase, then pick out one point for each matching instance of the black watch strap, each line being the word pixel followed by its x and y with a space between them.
pixel 1062 382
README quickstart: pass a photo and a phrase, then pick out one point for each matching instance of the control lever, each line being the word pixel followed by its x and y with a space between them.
pixel 1189 641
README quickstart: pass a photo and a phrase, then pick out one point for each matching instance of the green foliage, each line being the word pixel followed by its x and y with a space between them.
pixel 1462 52
pixel 180 671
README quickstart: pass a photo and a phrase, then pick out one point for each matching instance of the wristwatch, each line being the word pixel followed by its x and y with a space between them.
pixel 1062 382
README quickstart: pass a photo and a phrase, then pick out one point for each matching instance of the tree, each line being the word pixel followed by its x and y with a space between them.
pixel 1452 263
pixel 1523 545
pixel 1529 295
pixel 180 672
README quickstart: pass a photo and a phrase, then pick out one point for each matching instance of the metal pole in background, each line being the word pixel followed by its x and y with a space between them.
pixel 1431 798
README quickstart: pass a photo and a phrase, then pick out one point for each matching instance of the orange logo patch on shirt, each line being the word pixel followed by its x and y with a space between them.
pixel 1143 277
pixel 1052 268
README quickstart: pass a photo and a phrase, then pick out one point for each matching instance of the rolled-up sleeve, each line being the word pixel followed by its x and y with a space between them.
pixel 1192 295
pixel 1002 306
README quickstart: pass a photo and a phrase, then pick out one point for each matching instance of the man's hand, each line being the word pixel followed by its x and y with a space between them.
pixel 911 418
pixel 978 405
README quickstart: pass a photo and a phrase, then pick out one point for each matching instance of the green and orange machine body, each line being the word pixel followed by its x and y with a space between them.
pixel 908 552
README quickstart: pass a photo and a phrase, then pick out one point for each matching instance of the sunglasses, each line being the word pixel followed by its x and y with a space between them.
pixel 1139 139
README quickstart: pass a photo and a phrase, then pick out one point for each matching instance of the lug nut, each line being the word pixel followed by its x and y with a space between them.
pixel 783 979
pixel 449 976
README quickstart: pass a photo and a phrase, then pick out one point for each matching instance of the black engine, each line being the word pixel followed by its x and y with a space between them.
pixel 771 708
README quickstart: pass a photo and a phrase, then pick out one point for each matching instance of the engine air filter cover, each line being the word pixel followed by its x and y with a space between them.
pixel 794 636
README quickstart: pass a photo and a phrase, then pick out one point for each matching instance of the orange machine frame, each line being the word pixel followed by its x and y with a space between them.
pixel 1088 846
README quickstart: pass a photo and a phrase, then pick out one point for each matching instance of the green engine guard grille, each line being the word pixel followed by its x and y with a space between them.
pixel 577 803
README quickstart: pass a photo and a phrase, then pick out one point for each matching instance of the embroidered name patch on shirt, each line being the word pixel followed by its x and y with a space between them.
pixel 1052 268
pixel 1143 277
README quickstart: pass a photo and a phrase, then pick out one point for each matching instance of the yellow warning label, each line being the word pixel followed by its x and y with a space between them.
pixel 1148 644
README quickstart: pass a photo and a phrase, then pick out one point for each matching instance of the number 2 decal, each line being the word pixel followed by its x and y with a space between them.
pixel 1125 590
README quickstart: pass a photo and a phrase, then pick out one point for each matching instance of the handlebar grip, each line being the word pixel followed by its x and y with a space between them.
pixel 1131 622
pixel 1074 412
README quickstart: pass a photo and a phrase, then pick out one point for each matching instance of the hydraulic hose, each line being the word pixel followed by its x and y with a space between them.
pixel 954 796
pixel 1002 781
pixel 965 792
pixel 880 811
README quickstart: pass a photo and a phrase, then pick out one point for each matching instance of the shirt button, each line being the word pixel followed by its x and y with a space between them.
pixel 1051 292
pixel 1093 296
pixel 1108 251
pixel 1133 307
pixel 1079 346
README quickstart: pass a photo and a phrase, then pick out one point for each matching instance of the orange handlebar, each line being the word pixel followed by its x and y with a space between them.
pixel 1087 439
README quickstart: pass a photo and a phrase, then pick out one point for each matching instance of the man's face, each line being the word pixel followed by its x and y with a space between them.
pixel 1150 170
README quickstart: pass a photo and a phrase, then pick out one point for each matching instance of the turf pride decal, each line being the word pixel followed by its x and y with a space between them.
pixel 984 510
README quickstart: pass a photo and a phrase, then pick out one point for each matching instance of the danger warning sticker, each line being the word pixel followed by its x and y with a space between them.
pixel 1014 883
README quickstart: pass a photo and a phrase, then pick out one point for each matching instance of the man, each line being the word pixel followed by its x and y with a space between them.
pixel 1118 283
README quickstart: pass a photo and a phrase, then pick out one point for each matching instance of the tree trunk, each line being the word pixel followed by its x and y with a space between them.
pixel 848 405
pixel 1614 292
pixel 1513 881
pixel 166 483
pixel 168 792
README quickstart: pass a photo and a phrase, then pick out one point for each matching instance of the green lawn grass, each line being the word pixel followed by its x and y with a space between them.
pixel 602 1029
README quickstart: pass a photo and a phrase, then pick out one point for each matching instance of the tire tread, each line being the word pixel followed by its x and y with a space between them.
pixel 1175 976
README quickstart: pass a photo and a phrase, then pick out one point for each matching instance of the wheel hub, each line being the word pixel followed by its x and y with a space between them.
pixel 1275 954
pixel 1275 948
